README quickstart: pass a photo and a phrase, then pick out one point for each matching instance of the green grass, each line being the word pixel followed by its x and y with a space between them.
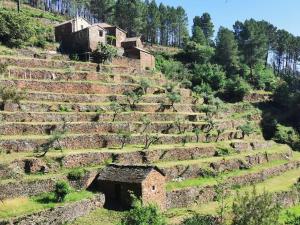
pixel 26 205
pixel 100 217
pixel 293 210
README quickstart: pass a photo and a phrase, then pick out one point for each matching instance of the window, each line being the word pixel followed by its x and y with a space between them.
pixel 101 33
pixel 153 188
pixel 81 27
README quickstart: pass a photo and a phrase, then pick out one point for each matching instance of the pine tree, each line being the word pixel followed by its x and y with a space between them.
pixel 103 10
pixel 153 21
pixel 207 27
pixel 227 51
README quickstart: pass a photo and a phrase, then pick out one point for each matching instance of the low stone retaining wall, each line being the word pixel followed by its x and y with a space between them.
pixel 93 116
pixel 200 195
pixel 59 215
pixel 108 127
pixel 92 141
pixel 18 188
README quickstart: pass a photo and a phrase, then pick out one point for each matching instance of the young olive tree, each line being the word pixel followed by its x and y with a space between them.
pixel 116 108
pixel 124 137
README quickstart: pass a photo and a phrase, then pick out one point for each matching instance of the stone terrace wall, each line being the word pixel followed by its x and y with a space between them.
pixel 59 215
pixel 200 195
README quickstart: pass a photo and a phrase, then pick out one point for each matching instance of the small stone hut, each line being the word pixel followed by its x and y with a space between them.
pixel 118 182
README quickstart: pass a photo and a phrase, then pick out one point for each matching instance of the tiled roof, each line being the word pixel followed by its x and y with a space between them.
pixel 126 173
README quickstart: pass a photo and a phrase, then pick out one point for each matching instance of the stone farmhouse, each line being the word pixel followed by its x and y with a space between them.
pixel 79 36
pixel 118 182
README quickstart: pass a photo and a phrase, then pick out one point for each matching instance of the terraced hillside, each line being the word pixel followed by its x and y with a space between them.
pixel 58 116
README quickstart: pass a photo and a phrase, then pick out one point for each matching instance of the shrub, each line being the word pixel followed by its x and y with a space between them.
pixel 104 53
pixel 174 97
pixel 143 215
pixel 62 188
pixel 252 209
pixel 116 108
pixel 200 219
pixel 264 78
pixel 246 129
pixel 76 174
pixel 124 137
pixel 292 219
pixel 236 89
pixel 286 135
pixel 3 68
pixel 209 74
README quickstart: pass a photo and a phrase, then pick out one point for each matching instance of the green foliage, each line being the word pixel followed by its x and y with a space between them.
pixel 146 122
pixel 197 132
pixel 227 53
pixel 144 85
pixel 11 94
pixel 253 209
pixel 209 74
pixel 149 140
pixel 19 29
pixel 143 215
pixel 236 89
pixel 196 53
pixel 264 78
pixel 76 174
pixel 292 219
pixel 3 68
pixel 62 188
pixel 286 135
pixel 104 53
pixel 134 97
pixel 200 219
pixel 173 97
pixel 246 129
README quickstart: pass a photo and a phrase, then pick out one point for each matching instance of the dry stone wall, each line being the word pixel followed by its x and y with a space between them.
pixel 59 215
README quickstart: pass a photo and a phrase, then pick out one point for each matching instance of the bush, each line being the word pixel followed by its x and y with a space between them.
pixel 76 174
pixel 286 135
pixel 62 188
pixel 246 129
pixel 236 89
pixel 18 29
pixel 209 74
pixel 253 209
pixel 104 53
pixel 292 219
pixel 143 215
pixel 264 78
pixel 200 220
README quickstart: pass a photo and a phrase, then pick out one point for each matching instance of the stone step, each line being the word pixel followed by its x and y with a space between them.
pixel 166 127
pixel 59 117
pixel 90 141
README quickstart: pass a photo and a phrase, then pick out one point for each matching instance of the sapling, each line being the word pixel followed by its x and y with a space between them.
pixel 116 108
pixel 197 132
pixel 149 140
pixel 181 125
pixel 174 97
pixel 146 123
pixel 133 97
pixel 246 129
pixel 124 137
pixel 144 84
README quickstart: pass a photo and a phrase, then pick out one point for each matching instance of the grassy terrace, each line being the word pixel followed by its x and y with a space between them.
pixel 284 182
pixel 26 205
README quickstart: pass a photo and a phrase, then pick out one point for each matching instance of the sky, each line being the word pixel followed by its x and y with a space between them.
pixel 284 14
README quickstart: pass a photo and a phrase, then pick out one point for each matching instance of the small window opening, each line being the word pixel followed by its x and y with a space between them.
pixel 101 33
pixel 153 188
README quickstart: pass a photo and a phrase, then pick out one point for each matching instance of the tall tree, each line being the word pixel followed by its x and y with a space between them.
pixel 153 21
pixel 130 16
pixel 103 10
pixel 163 33
pixel 207 26
pixel 253 42
pixel 182 21
pixel 227 53
pixel 198 36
